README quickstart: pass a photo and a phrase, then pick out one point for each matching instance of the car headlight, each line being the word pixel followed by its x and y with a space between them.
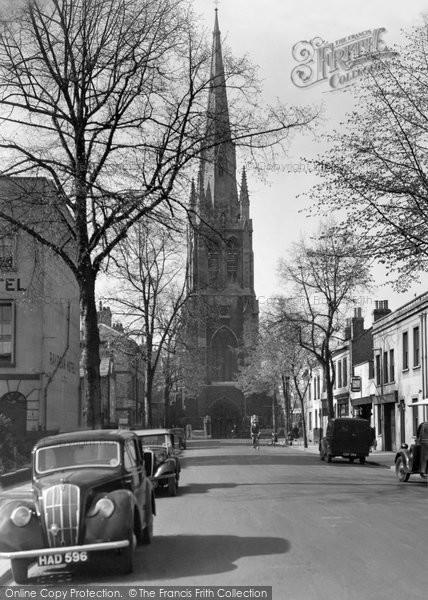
pixel 21 516
pixel 104 507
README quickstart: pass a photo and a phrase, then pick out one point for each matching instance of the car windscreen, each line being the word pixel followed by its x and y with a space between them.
pixel 153 440
pixel 77 454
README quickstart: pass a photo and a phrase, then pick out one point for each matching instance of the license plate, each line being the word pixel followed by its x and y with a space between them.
pixel 67 558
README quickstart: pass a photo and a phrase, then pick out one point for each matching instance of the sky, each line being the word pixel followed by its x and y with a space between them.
pixel 267 31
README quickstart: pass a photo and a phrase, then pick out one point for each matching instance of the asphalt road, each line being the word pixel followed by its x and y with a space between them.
pixel 281 517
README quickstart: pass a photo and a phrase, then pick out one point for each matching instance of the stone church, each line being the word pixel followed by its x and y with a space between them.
pixel 221 267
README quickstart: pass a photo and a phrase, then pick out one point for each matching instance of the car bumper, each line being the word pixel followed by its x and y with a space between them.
pixel 98 547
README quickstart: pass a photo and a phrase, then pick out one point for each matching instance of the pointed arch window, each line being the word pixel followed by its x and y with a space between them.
pixel 213 262
pixel 224 355
pixel 232 259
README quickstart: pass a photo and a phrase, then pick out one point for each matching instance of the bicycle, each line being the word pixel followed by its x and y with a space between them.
pixel 256 441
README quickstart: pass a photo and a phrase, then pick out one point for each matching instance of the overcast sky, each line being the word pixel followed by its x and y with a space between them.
pixel 267 31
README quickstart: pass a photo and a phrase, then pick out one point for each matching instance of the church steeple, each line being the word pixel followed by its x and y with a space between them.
pixel 218 168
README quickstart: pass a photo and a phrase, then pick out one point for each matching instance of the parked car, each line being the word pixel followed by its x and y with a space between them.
pixel 179 437
pixel 346 437
pixel 413 460
pixel 90 494
pixel 162 464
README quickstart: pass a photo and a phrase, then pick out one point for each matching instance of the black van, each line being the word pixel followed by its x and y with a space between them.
pixel 347 437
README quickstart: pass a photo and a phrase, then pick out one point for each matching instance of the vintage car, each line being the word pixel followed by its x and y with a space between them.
pixel 179 437
pixel 90 495
pixel 347 437
pixel 162 463
pixel 413 460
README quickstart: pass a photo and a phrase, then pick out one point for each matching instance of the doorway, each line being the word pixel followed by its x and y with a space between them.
pixel 225 416
pixel 389 426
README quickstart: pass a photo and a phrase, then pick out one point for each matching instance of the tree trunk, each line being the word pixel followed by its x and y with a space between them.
pixel 148 391
pixel 91 409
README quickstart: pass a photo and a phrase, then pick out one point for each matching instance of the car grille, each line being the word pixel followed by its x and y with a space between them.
pixel 61 506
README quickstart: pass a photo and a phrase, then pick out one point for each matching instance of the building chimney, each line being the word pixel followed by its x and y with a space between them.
pixel 381 310
pixel 357 324
pixel 347 330
pixel 104 315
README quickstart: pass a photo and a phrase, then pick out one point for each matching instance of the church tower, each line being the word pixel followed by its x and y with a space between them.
pixel 221 266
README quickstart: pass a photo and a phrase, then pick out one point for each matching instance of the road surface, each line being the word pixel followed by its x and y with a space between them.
pixel 281 517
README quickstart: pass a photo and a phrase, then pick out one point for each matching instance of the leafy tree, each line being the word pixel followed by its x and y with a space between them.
pixel 107 100
pixel 376 169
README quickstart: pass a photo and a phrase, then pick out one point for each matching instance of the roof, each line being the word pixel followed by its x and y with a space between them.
pixel 86 435
pixel 141 432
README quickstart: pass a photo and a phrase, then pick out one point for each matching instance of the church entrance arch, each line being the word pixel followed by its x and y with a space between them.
pixel 13 405
pixel 224 416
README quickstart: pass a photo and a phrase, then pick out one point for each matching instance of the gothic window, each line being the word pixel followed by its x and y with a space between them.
pixel 232 259
pixel 224 355
pixel 213 262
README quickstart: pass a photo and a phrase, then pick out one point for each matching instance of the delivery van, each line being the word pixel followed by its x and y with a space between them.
pixel 346 437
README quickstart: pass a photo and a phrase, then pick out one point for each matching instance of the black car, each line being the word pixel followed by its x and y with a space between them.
pixel 90 494
pixel 413 460
pixel 162 463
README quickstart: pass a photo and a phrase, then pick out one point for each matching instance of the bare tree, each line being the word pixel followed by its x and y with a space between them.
pixel 324 276
pixel 376 170
pixel 150 293
pixel 107 99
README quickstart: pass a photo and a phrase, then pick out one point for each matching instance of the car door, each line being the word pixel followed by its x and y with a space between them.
pixel 134 466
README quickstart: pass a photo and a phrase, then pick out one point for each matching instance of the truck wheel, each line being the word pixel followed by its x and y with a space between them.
pixel 400 470
pixel 362 460
pixel 19 570
pixel 172 486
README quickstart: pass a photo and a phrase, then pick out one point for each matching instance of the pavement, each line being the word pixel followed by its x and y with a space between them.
pixel 377 457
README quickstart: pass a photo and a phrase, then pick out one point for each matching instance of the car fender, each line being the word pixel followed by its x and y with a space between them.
pixel 13 538
pixel 166 468
pixel 407 460
pixel 115 527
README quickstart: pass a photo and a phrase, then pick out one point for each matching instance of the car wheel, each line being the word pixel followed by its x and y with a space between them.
pixel 362 460
pixel 126 561
pixel 400 470
pixel 172 486
pixel 329 457
pixel 19 570
pixel 351 459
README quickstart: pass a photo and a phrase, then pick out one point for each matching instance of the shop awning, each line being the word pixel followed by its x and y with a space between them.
pixel 361 401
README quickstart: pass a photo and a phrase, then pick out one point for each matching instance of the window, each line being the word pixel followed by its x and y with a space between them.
pixel 385 367
pixel 345 372
pixel 378 366
pixel 405 350
pixel 416 346
pixel 232 259
pixel 213 263
pixel 339 373
pixel 224 355
pixel 6 333
pixel 7 252
pixel 391 366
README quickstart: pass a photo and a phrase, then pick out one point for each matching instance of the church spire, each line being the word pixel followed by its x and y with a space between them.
pixel 244 198
pixel 218 165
